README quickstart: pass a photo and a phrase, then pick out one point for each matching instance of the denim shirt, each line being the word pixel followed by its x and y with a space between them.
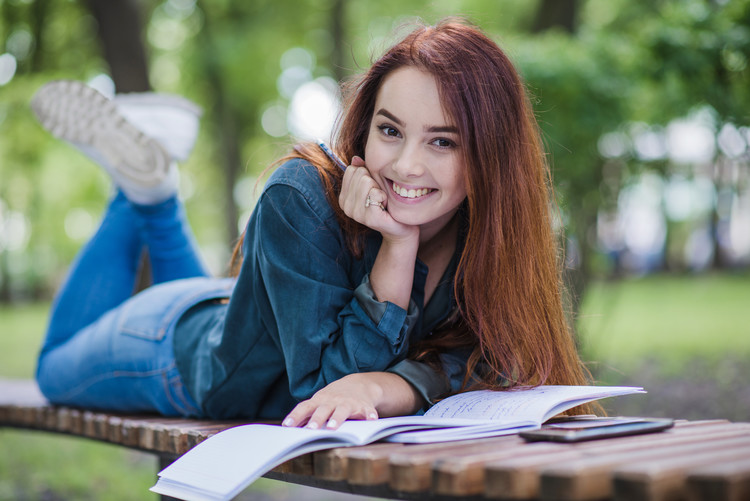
pixel 302 313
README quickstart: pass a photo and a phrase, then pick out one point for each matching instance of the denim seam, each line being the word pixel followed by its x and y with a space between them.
pixel 178 387
pixel 168 391
pixel 110 375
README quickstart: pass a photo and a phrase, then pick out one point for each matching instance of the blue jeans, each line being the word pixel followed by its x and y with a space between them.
pixel 106 348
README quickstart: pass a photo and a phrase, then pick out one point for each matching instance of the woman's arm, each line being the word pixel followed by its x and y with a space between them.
pixel 392 274
pixel 366 395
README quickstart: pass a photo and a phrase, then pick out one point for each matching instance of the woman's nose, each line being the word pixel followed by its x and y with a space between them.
pixel 409 162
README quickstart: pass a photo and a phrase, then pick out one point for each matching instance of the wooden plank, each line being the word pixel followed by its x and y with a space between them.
pixel 462 474
pixel 664 479
pixel 721 481
pixel 519 478
pixel 197 434
pixel 302 465
pixel 333 464
pixel 411 468
pixel 459 475
pixel 368 465
pixel 589 478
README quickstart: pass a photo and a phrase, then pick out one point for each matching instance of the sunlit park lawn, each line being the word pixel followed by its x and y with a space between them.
pixel 686 339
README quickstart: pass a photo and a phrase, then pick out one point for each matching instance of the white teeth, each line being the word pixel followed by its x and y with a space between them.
pixel 412 193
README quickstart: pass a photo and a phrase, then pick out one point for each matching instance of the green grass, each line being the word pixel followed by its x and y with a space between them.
pixel 672 318
pixel 40 465
pixel 22 331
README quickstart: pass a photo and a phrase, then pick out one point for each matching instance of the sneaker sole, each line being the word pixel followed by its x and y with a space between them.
pixel 77 113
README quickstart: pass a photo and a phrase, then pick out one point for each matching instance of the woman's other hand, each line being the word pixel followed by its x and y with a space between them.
pixel 366 395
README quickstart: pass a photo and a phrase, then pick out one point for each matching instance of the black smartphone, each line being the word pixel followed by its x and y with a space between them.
pixel 579 430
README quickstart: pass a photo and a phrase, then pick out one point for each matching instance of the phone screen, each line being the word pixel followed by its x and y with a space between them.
pixel 578 430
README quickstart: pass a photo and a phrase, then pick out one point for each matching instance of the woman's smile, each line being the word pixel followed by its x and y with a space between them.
pixel 409 192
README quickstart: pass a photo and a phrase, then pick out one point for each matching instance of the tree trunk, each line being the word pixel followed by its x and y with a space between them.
pixel 338 56
pixel 228 133
pixel 556 13
pixel 119 30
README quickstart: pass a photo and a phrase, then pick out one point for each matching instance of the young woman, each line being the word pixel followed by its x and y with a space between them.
pixel 427 267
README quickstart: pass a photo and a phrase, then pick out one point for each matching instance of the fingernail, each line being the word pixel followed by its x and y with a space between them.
pixel 288 422
pixel 372 416
pixel 357 160
pixel 331 423
pixel 312 426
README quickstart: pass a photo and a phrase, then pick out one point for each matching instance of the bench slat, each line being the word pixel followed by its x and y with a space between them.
pixel 519 478
pixel 590 477
pixel 725 480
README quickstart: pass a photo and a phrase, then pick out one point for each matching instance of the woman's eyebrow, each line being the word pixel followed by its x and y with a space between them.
pixel 435 128
pixel 442 128
pixel 390 116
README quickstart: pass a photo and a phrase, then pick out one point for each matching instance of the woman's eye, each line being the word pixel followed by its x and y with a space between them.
pixel 388 130
pixel 443 143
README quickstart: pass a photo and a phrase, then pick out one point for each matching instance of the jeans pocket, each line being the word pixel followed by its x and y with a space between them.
pixel 145 316
pixel 151 313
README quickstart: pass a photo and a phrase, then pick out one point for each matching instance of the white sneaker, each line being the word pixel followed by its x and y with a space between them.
pixel 172 120
pixel 137 163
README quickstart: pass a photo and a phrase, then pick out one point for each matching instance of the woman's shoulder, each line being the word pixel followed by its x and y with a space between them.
pixel 299 179
pixel 297 173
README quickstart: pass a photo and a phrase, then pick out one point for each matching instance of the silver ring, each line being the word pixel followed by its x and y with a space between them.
pixel 370 202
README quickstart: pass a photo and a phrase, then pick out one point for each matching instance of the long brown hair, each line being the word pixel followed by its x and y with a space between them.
pixel 508 284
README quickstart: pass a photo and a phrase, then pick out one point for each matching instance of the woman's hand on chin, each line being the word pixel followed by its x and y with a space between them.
pixel 357 188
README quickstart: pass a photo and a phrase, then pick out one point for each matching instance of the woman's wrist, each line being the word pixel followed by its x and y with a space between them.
pixel 392 274
pixel 397 396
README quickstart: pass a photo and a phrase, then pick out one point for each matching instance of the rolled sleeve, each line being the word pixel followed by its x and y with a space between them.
pixel 388 316
pixel 426 381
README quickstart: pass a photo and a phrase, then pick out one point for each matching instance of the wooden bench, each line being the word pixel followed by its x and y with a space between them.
pixel 698 460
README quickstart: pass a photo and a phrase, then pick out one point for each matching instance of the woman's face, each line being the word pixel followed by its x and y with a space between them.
pixel 414 151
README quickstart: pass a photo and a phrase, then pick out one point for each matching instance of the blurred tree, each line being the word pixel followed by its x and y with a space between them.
pixel 119 28
pixel 692 54
pixel 556 13
pixel 578 84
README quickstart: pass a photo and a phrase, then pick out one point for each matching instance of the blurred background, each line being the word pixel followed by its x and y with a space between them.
pixel 645 111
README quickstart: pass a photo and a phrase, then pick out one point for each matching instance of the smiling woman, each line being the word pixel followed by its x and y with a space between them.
pixel 427 267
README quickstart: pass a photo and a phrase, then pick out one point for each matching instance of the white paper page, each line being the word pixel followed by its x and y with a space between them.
pixel 535 404
pixel 364 432
pixel 453 434
pixel 231 460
